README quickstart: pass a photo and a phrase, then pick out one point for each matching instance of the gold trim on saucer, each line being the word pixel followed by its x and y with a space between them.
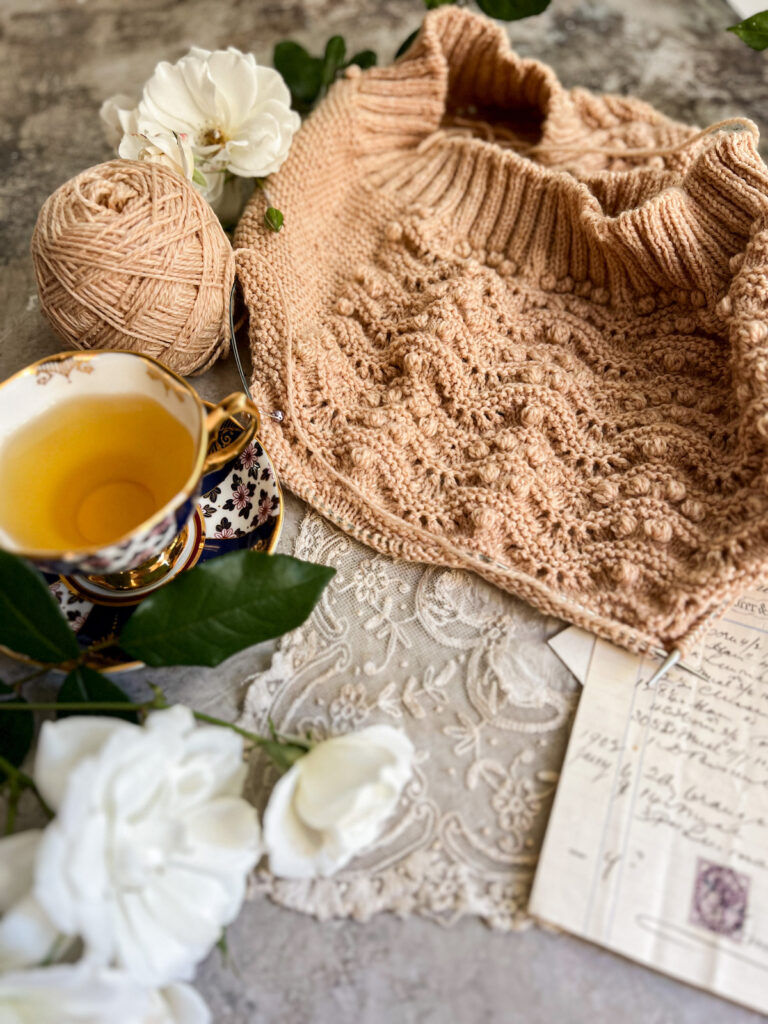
pixel 279 524
pixel 151 571
pixel 122 596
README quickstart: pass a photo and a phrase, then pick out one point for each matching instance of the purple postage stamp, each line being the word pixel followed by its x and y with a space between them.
pixel 720 899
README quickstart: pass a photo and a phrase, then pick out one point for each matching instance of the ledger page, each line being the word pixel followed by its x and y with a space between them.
pixel 657 845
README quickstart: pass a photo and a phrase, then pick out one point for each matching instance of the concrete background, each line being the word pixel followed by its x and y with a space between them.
pixel 58 60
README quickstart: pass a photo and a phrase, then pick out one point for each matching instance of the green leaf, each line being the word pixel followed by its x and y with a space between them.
pixel 753 31
pixel 364 59
pixel 406 44
pixel 512 10
pixel 31 622
pixel 309 77
pixel 303 73
pixel 85 685
pixel 17 728
pixel 273 218
pixel 333 61
pixel 199 178
pixel 218 608
pixel 431 5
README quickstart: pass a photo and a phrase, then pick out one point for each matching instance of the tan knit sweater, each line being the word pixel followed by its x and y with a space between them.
pixel 505 337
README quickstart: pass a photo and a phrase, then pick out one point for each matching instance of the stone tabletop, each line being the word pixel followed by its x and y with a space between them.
pixel 58 60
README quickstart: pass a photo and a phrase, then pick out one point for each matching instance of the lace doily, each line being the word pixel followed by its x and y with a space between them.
pixel 464 669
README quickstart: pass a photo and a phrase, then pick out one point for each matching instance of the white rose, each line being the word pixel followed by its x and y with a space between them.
pixel 335 800
pixel 148 855
pixel 236 113
pixel 227 114
pixel 84 994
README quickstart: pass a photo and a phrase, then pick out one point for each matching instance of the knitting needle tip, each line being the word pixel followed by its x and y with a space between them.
pixel 669 662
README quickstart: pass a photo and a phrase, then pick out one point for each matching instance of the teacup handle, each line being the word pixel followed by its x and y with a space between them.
pixel 226 409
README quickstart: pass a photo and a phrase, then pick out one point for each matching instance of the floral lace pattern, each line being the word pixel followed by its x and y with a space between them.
pixel 464 669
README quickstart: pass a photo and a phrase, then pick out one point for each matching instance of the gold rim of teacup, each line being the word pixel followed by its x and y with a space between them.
pixel 192 480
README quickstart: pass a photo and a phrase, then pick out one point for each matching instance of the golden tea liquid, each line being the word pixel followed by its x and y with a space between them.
pixel 90 470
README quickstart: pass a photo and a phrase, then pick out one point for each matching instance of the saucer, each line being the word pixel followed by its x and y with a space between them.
pixel 241 507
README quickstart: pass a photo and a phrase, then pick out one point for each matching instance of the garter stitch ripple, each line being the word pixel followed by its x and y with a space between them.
pixel 522 330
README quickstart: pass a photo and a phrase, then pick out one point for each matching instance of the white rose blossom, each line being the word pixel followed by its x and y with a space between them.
pixel 147 858
pixel 335 800
pixel 234 114
pixel 85 994
pixel 237 113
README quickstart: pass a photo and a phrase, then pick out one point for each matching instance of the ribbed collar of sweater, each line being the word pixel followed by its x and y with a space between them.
pixel 632 224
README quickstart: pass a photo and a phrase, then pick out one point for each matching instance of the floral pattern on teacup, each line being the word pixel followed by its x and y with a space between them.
pixel 170 386
pixel 245 499
pixel 74 608
pixel 46 372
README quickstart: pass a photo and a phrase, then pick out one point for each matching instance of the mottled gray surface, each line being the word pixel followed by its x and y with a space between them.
pixel 58 60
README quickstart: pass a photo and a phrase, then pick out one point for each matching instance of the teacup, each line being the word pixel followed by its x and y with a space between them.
pixel 102 456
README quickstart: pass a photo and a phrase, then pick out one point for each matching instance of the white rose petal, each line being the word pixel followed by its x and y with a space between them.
pixel 335 801
pixel 215 185
pixel 83 994
pixel 148 856
pixel 178 1004
pixel 27 935
pixel 64 744
pixel 118 115
pixel 17 866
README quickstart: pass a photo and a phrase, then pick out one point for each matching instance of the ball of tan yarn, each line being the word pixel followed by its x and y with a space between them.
pixel 129 255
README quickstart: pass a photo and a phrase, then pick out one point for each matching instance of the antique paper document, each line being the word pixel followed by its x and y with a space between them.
pixel 657 846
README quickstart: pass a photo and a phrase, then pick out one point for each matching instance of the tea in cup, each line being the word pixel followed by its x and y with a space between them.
pixel 102 456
